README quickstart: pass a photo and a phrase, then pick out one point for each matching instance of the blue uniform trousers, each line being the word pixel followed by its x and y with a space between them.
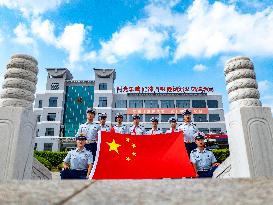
pixel 206 174
pixel 189 147
pixel 92 147
pixel 73 174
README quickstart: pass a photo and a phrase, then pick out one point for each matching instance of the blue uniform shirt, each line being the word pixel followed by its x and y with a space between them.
pixel 90 130
pixel 136 130
pixel 104 128
pixel 154 132
pixel 79 159
pixel 121 129
pixel 203 160
pixel 171 130
pixel 189 130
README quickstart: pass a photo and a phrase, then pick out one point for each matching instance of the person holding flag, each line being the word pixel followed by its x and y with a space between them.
pixel 173 123
pixel 155 130
pixel 119 127
pixel 136 129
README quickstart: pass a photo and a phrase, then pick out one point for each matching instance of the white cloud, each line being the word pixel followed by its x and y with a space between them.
pixel 199 68
pixel 70 40
pixel 32 7
pixel 22 35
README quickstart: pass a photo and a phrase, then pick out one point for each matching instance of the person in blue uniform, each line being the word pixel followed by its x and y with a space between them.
pixel 155 130
pixel 189 129
pixel 90 130
pixel 78 162
pixel 120 127
pixel 103 126
pixel 173 123
pixel 136 128
pixel 203 160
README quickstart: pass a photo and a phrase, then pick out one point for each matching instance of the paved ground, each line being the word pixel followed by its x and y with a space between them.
pixel 184 191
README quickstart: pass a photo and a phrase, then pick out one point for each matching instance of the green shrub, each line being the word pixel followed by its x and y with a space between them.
pixel 44 161
pixel 221 154
pixel 55 158
pixel 60 166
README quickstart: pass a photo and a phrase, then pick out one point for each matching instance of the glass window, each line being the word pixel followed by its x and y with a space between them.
pixel 103 86
pixel 48 146
pixel 151 104
pixel 199 104
pixel 212 103
pixel 55 86
pixel 180 118
pixel 148 117
pixel 40 104
pixel 102 101
pixel 165 118
pixel 49 132
pixel 204 130
pixel 53 101
pixel 200 118
pixel 39 118
pixel 183 104
pixel 135 104
pixel 131 118
pixel 167 103
pixel 121 104
pixel 214 117
pixel 51 116
pixel 215 130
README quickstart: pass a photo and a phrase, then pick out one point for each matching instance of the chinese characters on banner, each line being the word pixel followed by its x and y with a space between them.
pixel 163 89
pixel 165 110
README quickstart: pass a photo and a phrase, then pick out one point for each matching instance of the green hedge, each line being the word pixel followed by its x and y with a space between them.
pixel 44 161
pixel 221 154
pixel 55 158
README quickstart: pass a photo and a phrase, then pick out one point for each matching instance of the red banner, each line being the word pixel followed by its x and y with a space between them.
pixel 215 136
pixel 124 156
pixel 165 110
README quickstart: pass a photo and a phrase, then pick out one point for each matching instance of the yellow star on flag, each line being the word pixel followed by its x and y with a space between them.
pixel 128 159
pixel 113 146
pixel 128 139
pixel 134 154
pixel 133 145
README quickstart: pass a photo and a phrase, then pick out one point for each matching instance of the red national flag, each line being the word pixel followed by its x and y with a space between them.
pixel 125 156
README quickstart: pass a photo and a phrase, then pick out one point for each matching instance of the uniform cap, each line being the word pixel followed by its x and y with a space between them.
pixel 186 112
pixel 119 115
pixel 102 115
pixel 172 119
pixel 91 110
pixel 154 119
pixel 199 136
pixel 81 137
pixel 136 116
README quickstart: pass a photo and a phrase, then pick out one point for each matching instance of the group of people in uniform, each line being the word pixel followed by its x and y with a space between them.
pixel 78 162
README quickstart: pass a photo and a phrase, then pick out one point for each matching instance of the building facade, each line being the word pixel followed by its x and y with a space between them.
pixel 61 108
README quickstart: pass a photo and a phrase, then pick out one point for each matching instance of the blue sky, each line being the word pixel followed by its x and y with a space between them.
pixel 152 42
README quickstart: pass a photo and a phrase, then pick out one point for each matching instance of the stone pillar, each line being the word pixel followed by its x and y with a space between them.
pixel 17 120
pixel 249 125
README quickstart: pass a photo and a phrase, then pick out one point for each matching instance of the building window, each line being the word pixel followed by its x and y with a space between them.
pixel 199 104
pixel 148 117
pixel 135 104
pixel 215 130
pixel 121 104
pixel 214 117
pixel 167 103
pixel 53 102
pixel 212 103
pixel 131 118
pixel 183 104
pixel 200 118
pixel 204 130
pixel 51 116
pixel 103 86
pixel 102 101
pixel 48 146
pixel 39 118
pixel 55 86
pixel 49 132
pixel 180 118
pixel 165 118
pixel 151 104
pixel 164 130
pixel 40 104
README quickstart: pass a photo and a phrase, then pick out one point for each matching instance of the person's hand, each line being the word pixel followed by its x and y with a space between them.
pixel 216 164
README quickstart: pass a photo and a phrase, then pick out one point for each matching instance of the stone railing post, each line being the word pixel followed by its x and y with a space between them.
pixel 249 125
pixel 17 120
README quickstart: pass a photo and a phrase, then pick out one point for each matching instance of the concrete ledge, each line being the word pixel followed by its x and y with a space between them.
pixel 39 171
pixel 182 191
